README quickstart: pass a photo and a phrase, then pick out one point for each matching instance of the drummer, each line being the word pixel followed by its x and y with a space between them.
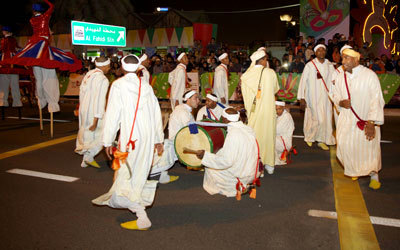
pixel 234 166
pixel 179 118
pixel 212 110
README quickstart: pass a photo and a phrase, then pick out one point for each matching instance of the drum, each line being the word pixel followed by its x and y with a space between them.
pixel 207 138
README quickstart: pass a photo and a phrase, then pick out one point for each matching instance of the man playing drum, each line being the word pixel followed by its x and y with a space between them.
pixel 212 110
pixel 179 118
pixel 236 164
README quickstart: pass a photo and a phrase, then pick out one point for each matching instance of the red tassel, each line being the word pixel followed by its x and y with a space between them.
pixel 294 151
pixel 258 182
pixel 283 155
pixel 361 124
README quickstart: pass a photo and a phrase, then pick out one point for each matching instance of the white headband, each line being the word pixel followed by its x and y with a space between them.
pixel 129 66
pixel 278 103
pixel 101 64
pixel 181 55
pixel 261 48
pixel 215 99
pixel 257 55
pixel 319 46
pixel 232 118
pixel 188 95
pixel 143 58
pixel 345 47
pixel 221 57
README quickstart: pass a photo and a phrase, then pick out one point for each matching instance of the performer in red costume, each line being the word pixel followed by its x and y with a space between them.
pixel 44 59
pixel 8 74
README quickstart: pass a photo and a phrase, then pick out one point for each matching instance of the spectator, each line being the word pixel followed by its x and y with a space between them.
pixel 389 66
pixel 309 52
pixel 157 67
pixel 336 55
pixel 378 66
pixel 213 64
pixel 212 46
pixel 398 67
pixel 203 68
pixel 169 64
pixel 191 65
pixel 236 66
pixel 297 66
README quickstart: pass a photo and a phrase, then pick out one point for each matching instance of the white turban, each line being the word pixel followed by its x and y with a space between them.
pixel 101 64
pixel 352 53
pixel 278 103
pixel 143 58
pixel 181 55
pixel 231 117
pixel 224 55
pixel 257 55
pixel 345 47
pixel 188 95
pixel 319 46
pixel 261 48
pixel 211 97
pixel 130 67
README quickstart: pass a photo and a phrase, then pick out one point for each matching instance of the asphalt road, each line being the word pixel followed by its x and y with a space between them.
pixel 39 213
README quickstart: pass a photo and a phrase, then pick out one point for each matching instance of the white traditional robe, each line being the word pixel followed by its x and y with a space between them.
pixel 318 113
pixel 47 88
pixel 213 114
pixel 179 84
pixel 146 74
pixel 236 159
pixel 8 81
pixel 131 188
pixel 335 74
pixel 92 104
pixel 220 88
pixel 358 155
pixel 179 118
pixel 263 119
pixel 284 134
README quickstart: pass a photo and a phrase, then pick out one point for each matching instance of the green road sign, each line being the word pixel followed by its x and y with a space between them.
pixel 84 33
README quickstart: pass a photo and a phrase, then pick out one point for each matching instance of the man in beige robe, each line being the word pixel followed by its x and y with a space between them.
pixel 259 86
pixel 358 95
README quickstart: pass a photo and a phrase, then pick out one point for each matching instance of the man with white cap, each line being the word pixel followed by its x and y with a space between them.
pixel 284 133
pixel 143 73
pixel 92 103
pixel 221 75
pixel 178 80
pixel 235 165
pixel 313 93
pixel 265 50
pixel 259 86
pixel 133 110
pixel 212 110
pixel 358 95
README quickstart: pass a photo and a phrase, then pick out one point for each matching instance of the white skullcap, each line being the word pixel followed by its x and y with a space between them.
pixel 130 67
pixel 261 48
pixel 101 64
pixel 181 55
pixel 188 95
pixel 319 46
pixel 278 103
pixel 345 47
pixel 231 117
pixel 257 55
pixel 143 58
pixel 211 97
pixel 224 55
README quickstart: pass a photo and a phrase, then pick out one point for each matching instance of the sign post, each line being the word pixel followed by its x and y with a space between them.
pixel 94 34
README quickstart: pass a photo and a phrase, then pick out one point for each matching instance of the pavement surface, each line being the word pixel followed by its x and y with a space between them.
pixel 40 213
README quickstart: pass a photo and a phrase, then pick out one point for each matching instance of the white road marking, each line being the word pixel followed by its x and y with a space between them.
pixel 35 119
pixel 302 136
pixel 390 222
pixel 42 175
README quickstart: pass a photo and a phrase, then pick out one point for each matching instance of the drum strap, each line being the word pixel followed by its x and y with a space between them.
pixel 130 142
pixel 209 113
pixel 361 123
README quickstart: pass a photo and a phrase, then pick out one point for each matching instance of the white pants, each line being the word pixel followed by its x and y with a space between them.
pixel 47 88
pixel 7 81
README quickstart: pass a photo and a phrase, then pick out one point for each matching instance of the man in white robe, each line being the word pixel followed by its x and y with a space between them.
pixel 132 109
pixel 358 148
pixel 259 87
pixel 92 104
pixel 284 133
pixel 236 163
pixel 179 118
pixel 313 93
pixel 220 88
pixel 144 65
pixel 212 110
pixel 178 80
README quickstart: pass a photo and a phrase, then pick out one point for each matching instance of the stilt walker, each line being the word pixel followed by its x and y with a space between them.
pixel 44 60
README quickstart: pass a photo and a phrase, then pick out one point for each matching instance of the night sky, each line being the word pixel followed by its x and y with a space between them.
pixel 233 28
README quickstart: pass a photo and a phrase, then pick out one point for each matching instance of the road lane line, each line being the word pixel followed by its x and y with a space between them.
pixel 354 224
pixel 42 175
pixel 35 119
pixel 390 222
pixel 36 146
pixel 302 136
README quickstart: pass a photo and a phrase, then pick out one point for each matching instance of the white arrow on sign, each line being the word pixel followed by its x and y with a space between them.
pixel 121 35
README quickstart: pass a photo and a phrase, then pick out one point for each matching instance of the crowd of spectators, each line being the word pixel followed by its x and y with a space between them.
pixel 298 52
